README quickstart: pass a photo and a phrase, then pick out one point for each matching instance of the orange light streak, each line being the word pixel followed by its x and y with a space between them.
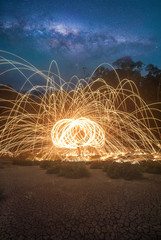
pixel 56 116
pixel 73 133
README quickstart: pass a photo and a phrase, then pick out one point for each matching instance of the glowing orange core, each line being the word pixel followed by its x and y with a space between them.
pixel 73 133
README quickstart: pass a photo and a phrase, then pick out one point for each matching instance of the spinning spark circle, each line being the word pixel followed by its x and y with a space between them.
pixel 73 133
pixel 50 117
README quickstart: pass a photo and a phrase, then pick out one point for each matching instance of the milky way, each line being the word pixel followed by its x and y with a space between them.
pixel 81 33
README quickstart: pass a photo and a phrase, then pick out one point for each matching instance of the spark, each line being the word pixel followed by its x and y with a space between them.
pixel 73 133
pixel 76 119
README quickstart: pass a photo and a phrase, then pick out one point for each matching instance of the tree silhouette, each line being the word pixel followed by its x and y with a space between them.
pixel 125 63
pixel 149 85
pixel 154 75
pixel 153 70
pixel 139 66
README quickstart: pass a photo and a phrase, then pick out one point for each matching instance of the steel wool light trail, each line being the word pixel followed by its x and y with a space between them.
pixel 71 133
pixel 79 118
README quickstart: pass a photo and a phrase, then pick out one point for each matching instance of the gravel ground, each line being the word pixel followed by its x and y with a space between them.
pixel 41 206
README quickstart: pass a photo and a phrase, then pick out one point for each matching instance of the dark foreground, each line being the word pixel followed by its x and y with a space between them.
pixel 41 206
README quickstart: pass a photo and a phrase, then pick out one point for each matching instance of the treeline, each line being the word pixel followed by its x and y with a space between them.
pixel 146 77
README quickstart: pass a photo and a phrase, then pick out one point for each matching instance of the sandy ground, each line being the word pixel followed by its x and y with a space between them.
pixel 42 206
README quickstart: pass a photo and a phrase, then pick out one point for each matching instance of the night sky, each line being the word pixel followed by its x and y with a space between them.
pixel 82 33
